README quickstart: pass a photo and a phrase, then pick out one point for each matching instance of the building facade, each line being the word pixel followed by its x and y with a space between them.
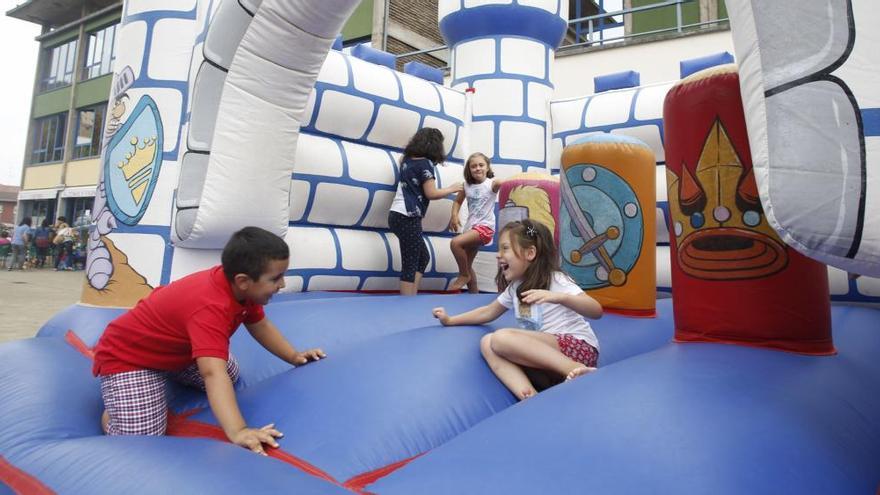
pixel 8 205
pixel 72 81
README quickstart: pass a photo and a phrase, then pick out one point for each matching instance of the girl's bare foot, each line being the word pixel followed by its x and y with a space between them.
pixel 526 394
pixel 459 283
pixel 580 370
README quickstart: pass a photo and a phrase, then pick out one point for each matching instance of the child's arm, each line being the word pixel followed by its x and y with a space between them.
pixel 579 303
pixel 454 221
pixel 429 187
pixel 496 184
pixel 267 334
pixel 478 316
pixel 221 397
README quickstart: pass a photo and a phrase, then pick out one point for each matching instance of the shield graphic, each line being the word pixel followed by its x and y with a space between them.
pixel 132 161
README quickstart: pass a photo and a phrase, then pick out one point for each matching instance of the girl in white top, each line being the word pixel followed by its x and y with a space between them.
pixel 480 189
pixel 544 299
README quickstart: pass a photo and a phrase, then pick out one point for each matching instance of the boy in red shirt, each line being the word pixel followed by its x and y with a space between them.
pixel 182 331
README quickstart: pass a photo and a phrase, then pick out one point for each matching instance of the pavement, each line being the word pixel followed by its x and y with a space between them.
pixel 29 298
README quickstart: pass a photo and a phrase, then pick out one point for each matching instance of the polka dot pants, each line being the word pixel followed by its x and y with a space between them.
pixel 413 252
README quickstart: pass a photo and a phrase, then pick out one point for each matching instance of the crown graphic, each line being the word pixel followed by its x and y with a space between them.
pixel 137 166
pixel 717 219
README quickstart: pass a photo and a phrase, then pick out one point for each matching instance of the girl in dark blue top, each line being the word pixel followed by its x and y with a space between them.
pixel 417 187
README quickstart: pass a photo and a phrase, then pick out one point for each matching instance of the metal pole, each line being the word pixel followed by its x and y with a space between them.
pixel 678 17
pixel 385 26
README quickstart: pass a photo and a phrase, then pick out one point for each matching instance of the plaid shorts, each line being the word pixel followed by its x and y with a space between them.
pixel 136 402
pixel 578 350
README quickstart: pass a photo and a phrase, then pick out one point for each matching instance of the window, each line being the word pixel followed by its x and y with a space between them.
pixel 58 66
pixel 90 123
pixel 48 141
pixel 101 53
pixel 40 210
pixel 78 210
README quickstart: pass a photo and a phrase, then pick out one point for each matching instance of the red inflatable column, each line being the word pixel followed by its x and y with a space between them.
pixel 733 279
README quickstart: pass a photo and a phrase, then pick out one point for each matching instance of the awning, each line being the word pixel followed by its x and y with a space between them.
pixel 31 194
pixel 79 192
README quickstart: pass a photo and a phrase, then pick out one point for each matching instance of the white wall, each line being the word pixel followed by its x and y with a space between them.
pixel 656 61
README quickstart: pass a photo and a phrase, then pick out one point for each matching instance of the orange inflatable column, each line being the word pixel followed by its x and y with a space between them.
pixel 733 279
pixel 607 221
pixel 530 195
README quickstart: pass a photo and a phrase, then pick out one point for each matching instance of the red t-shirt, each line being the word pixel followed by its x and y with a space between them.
pixel 167 330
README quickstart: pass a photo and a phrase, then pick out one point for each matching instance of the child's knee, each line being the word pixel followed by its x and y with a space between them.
pixel 486 344
pixel 501 340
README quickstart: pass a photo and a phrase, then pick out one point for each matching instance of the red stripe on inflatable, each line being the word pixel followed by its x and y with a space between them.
pixel 20 481
pixel 180 426
pixel 359 482
pixel 805 348
pixel 632 313
pixel 77 343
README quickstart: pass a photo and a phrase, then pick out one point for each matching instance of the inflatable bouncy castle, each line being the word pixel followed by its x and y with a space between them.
pixel 745 194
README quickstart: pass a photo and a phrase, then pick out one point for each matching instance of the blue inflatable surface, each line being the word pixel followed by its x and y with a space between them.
pixel 687 418
pixel 403 405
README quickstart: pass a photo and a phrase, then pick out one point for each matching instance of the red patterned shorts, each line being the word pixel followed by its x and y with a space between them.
pixel 578 350
pixel 486 233
pixel 136 402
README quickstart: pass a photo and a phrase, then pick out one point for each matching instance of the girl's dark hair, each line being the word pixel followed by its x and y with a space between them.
pixel 523 235
pixel 26 221
pixel 249 251
pixel 467 167
pixel 62 218
pixel 426 142
pixel 45 222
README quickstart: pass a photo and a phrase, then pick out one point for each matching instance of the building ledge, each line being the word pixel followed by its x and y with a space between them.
pixel 55 13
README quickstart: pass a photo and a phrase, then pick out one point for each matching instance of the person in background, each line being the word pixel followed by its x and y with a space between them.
pixel 20 239
pixel 5 247
pixel 42 242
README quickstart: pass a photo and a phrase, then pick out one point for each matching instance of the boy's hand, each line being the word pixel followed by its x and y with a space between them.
pixel 537 296
pixel 253 439
pixel 308 355
pixel 440 314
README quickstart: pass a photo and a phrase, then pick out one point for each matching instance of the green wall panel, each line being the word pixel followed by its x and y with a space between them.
pixel 52 102
pixel 360 24
pixel 54 39
pixel 662 18
pixel 93 91
pixel 103 21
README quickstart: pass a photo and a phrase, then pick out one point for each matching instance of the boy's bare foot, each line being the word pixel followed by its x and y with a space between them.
pixel 459 283
pixel 580 370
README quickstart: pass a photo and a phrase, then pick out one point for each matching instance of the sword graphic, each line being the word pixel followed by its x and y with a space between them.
pixel 593 242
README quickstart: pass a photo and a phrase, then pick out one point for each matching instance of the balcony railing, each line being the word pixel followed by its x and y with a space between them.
pixel 596 37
